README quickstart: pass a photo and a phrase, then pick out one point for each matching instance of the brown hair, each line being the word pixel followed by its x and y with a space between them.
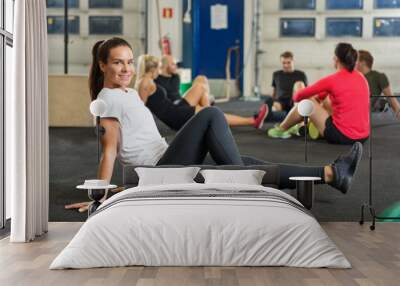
pixel 287 55
pixel 100 53
pixel 365 56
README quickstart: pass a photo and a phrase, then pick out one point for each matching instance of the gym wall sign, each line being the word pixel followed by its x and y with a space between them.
pixel 164 20
pixel 168 13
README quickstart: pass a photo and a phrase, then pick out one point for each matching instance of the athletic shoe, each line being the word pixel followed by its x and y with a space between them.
pixel 344 168
pixel 262 114
pixel 294 130
pixel 277 132
pixel 313 131
pixel 302 131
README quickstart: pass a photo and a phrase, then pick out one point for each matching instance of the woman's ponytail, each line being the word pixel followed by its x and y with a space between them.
pixel 347 55
pixel 96 77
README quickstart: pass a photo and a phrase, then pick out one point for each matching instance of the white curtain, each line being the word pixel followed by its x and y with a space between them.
pixel 27 159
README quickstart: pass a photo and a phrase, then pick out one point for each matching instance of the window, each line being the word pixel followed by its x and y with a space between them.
pixel 387 27
pixel 344 4
pixel 385 4
pixel 297 4
pixel 2 171
pixel 9 10
pixel 105 3
pixel 60 3
pixel 9 69
pixel 105 25
pixel 55 25
pixel 342 27
pixel 6 64
pixel 291 27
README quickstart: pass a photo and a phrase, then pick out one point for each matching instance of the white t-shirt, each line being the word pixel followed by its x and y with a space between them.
pixel 141 142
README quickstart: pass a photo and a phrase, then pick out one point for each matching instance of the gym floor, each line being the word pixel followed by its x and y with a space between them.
pixel 73 158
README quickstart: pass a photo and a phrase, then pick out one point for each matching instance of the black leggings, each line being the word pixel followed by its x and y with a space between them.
pixel 208 132
pixel 205 132
pixel 286 171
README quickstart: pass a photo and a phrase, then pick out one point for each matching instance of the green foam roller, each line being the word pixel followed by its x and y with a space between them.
pixel 391 211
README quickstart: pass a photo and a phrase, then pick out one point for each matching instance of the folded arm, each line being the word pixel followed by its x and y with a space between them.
pixel 320 88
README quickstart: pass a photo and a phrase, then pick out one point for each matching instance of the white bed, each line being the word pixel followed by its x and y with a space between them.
pixel 203 225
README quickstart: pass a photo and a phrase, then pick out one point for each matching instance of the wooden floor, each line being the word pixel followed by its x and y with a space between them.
pixel 375 257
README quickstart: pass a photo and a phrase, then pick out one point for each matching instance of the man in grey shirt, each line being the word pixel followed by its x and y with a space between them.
pixel 378 84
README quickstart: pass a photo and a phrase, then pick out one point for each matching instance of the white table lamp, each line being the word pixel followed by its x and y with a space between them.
pixel 98 108
pixel 305 108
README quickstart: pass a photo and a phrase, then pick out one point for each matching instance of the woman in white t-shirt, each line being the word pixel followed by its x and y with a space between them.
pixel 131 134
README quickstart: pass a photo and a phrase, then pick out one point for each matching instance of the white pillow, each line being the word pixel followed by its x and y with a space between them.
pixel 248 177
pixel 166 176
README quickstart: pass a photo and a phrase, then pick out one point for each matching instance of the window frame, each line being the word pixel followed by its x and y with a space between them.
pixel 105 16
pixel 6 39
pixel 344 19
pixel 383 18
pixel 343 8
pixel 62 5
pixel 376 6
pixel 281 20
pixel 297 9
pixel 90 5
pixel 69 25
pixel 2 93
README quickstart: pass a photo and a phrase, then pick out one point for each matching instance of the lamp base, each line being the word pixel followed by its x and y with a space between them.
pixel 96 196
pixel 305 193
pixel 93 207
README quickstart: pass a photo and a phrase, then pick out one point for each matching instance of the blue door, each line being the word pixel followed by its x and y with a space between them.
pixel 210 46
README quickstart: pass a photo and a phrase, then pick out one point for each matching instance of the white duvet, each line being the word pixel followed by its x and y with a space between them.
pixel 269 228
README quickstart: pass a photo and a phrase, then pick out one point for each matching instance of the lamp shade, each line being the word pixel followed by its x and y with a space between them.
pixel 98 107
pixel 305 107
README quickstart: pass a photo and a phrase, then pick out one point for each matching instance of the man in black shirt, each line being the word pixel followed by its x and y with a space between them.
pixel 169 78
pixel 283 82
